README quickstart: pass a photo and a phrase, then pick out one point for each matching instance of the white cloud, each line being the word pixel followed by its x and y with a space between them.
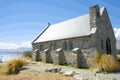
pixel 4 45
pixel 117 32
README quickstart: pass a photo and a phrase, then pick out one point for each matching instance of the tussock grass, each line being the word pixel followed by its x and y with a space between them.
pixel 118 57
pixel 106 63
pixel 13 66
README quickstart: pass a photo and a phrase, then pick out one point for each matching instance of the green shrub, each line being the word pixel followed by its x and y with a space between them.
pixel 27 54
pixel 106 63
pixel 13 66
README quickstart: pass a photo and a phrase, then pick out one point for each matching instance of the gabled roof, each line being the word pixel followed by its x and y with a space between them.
pixel 75 27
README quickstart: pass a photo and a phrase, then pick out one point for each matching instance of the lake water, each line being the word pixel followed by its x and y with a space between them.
pixel 5 56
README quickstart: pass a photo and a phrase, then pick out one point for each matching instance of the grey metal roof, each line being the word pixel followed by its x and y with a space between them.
pixel 76 27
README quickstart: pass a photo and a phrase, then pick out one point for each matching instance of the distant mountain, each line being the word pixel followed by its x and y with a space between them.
pixel 118 44
pixel 21 49
pixel 6 50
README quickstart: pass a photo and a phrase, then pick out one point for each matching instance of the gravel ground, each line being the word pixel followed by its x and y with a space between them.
pixel 84 74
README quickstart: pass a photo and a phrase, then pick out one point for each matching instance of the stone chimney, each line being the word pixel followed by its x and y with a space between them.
pixel 94 15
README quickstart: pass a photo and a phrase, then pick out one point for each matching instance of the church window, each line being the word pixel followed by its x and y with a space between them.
pixel 54 45
pixel 40 47
pixel 65 45
pixel 108 46
pixel 51 46
pixel 70 45
pixel 101 44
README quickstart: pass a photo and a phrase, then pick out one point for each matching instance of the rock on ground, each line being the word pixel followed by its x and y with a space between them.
pixel 69 73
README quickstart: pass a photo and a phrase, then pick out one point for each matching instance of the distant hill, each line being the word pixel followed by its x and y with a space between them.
pixel 118 45
pixel 21 49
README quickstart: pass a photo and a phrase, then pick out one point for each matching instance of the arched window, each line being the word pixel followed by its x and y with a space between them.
pixel 101 44
pixel 108 46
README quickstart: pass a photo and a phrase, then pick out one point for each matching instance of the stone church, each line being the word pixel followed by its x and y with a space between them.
pixel 74 42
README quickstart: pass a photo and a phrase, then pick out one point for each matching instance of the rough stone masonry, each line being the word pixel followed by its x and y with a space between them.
pixel 74 42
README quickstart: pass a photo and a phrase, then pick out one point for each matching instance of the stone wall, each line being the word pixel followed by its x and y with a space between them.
pixel 76 52
pixel 104 30
pixel 79 51
pixel 84 42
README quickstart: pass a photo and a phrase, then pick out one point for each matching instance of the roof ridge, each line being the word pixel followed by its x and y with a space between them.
pixel 70 19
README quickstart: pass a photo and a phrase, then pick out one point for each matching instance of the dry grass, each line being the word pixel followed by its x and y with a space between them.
pixel 106 63
pixel 96 60
pixel 13 66
pixel 118 57
pixel 35 75
pixel 32 63
pixel 109 63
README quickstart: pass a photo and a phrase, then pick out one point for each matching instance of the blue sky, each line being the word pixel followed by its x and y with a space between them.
pixel 21 21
